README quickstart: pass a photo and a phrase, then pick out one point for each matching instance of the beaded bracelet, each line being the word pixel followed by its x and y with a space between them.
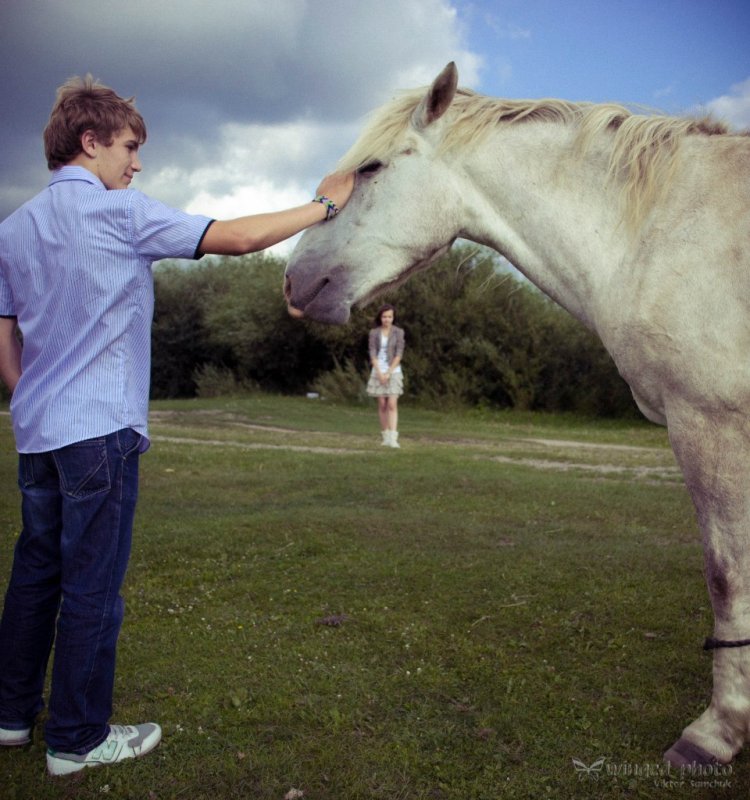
pixel 331 207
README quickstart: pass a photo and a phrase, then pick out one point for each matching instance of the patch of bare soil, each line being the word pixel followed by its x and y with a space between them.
pixel 650 464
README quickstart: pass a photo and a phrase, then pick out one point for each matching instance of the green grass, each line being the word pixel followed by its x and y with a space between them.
pixel 497 618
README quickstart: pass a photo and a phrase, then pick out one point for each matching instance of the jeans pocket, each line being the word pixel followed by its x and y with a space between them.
pixel 84 468
pixel 37 470
pixel 130 442
pixel 26 472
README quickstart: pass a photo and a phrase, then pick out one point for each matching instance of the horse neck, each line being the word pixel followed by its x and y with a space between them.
pixel 550 212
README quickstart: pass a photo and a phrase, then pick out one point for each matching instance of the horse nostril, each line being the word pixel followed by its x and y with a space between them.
pixel 293 312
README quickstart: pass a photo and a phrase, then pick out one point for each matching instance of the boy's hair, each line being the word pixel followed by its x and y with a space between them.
pixel 84 104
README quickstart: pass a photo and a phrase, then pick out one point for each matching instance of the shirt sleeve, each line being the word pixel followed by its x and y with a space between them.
pixel 400 342
pixel 7 306
pixel 162 232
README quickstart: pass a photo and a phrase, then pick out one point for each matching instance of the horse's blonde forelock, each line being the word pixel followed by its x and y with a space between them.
pixel 644 146
pixel 383 131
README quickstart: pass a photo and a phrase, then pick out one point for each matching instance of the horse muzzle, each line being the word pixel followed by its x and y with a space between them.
pixel 316 298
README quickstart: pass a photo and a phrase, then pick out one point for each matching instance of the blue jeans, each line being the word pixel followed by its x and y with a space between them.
pixel 78 505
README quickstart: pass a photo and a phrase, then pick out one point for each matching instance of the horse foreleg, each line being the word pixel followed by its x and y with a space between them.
pixel 719 733
pixel 715 458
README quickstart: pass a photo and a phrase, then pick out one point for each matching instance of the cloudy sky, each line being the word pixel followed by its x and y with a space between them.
pixel 249 102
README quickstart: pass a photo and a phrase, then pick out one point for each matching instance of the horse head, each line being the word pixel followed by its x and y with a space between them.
pixel 396 221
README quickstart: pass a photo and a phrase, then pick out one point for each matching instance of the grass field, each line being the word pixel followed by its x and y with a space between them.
pixel 457 620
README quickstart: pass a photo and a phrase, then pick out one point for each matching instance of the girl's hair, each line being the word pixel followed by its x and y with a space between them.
pixel 84 104
pixel 384 307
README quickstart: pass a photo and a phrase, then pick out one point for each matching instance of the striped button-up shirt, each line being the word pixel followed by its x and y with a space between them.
pixel 75 269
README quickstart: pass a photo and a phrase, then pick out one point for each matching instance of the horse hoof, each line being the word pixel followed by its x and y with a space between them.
pixel 684 753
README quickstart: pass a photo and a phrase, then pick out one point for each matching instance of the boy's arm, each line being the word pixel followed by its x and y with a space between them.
pixel 257 232
pixel 10 353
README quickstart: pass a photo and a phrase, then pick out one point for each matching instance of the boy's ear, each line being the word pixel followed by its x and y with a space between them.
pixel 89 143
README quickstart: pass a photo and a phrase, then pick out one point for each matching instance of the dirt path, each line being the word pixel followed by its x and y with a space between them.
pixel 630 462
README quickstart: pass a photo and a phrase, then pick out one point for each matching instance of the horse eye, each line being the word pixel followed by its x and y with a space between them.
pixel 369 169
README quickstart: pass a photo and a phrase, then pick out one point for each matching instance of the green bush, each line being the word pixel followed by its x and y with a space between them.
pixel 477 334
pixel 214 381
pixel 343 383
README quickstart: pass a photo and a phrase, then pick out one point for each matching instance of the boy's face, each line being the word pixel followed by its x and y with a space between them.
pixel 116 163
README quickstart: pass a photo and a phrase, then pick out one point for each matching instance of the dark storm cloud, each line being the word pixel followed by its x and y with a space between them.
pixel 194 66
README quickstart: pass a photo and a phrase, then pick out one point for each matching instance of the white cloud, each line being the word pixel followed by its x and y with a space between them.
pixel 256 197
pixel 664 92
pixel 236 93
pixel 733 108
pixel 251 164
pixel 504 29
pixel 252 168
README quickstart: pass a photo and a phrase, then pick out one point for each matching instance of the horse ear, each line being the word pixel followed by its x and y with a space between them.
pixel 437 100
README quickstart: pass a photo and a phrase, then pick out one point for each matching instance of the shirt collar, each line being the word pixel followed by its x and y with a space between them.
pixel 75 173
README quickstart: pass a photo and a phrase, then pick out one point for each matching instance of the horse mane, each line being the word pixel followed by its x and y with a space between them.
pixel 644 146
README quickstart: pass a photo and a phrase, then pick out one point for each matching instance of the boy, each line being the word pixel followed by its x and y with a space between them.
pixel 75 279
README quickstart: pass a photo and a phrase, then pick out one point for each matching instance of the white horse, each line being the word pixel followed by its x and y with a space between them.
pixel 637 225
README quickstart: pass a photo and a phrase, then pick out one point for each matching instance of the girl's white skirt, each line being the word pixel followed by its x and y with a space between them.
pixel 394 387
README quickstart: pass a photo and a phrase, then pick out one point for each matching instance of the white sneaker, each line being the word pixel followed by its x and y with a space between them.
pixel 393 440
pixel 11 738
pixel 386 438
pixel 124 741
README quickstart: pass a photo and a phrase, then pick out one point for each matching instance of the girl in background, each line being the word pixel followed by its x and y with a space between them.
pixel 386 347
